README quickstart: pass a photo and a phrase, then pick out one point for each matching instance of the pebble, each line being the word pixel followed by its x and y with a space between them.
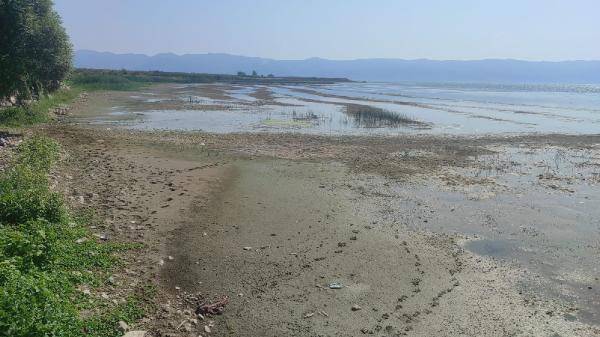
pixel 356 307
pixel 206 329
pixel 123 327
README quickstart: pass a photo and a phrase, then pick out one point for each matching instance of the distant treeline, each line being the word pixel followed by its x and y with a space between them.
pixel 97 78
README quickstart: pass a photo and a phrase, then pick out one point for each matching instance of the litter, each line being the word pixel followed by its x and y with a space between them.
pixel 215 308
pixel 335 285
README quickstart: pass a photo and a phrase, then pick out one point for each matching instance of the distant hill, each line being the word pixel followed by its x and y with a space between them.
pixel 492 70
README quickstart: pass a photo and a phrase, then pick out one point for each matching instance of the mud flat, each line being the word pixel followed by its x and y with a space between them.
pixel 316 235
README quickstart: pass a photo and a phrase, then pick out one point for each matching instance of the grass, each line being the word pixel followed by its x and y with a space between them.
pixel 37 112
pixel 42 260
pixel 373 117
pixel 92 81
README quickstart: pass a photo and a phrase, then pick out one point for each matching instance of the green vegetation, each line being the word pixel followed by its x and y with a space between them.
pixel 37 112
pixel 35 52
pixel 373 117
pixel 82 76
pixel 101 80
pixel 47 255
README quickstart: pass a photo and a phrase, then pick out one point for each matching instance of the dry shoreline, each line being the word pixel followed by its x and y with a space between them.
pixel 313 210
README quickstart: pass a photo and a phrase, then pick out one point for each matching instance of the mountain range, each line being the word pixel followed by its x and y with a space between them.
pixel 421 70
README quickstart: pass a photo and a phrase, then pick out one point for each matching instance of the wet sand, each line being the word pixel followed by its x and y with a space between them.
pixel 428 236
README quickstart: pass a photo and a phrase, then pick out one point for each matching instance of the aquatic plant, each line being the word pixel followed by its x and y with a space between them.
pixel 372 117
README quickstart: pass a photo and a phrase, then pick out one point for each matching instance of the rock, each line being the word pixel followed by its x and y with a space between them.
pixel 206 329
pixel 356 307
pixel 80 240
pixel 102 236
pixel 335 285
pixel 138 333
pixel 247 248
pixel 123 327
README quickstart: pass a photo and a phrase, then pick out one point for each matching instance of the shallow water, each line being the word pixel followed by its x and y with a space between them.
pixel 320 109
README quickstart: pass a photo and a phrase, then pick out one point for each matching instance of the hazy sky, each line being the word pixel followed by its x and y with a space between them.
pixel 340 29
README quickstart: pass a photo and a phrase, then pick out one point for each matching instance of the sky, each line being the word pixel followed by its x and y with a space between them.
pixel 550 30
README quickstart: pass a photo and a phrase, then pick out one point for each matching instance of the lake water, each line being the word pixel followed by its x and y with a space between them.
pixel 459 109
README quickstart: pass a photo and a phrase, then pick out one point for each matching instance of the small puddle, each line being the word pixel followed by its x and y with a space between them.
pixel 493 248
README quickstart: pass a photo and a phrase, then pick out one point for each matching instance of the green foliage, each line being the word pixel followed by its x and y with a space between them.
pixel 24 191
pixel 37 112
pixel 103 81
pixel 35 52
pixel 45 254
pixel 107 324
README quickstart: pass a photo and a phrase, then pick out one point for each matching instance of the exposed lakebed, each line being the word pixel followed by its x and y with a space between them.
pixel 362 109
pixel 525 201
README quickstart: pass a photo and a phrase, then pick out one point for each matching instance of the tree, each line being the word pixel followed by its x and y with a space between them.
pixel 241 73
pixel 254 74
pixel 35 52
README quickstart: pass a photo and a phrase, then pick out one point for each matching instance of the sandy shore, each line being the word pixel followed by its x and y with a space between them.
pixel 427 236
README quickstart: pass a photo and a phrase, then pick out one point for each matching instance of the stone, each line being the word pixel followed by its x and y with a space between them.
pixel 123 327
pixel 138 333
pixel 356 307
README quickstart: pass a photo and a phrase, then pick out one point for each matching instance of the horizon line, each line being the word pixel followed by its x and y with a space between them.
pixel 341 60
